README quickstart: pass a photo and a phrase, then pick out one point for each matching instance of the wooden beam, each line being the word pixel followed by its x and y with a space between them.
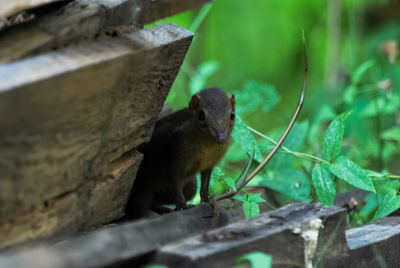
pixel 278 233
pixel 79 21
pixel 8 8
pixel 64 116
pixel 126 242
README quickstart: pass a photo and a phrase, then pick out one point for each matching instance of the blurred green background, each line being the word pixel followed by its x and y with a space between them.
pixel 260 40
pixel 254 49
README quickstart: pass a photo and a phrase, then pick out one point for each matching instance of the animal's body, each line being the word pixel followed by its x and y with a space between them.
pixel 190 141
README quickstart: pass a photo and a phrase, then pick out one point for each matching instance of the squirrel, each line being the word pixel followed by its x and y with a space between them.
pixel 190 141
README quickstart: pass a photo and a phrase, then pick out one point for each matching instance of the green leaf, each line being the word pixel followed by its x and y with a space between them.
pixel 381 105
pixel 350 172
pixel 392 134
pixel 294 141
pixel 361 70
pixel 243 176
pixel 257 260
pixel 256 197
pixel 230 182
pixel 242 135
pixel 349 94
pixel 386 186
pixel 371 204
pixel 390 203
pixel 204 71
pixel 250 209
pixel 324 184
pixel 240 198
pixel 334 137
pixel 290 182
pixel 216 174
pixel 256 97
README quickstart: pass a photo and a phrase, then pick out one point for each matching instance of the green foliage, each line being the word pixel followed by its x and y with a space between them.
pixel 336 152
pixel 389 204
pixel 392 134
pixel 350 172
pixel 204 71
pixel 256 259
pixel 241 134
pixel 256 96
pixel 250 206
pixel 324 184
pixel 334 137
pixel 290 182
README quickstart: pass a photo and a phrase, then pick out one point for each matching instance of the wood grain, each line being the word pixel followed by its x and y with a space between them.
pixel 64 116
pixel 8 8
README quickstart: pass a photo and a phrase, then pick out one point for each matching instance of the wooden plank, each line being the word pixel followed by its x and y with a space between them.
pixel 373 245
pixel 276 233
pixel 125 242
pixel 82 208
pixel 79 21
pixel 8 8
pixel 158 9
pixel 66 115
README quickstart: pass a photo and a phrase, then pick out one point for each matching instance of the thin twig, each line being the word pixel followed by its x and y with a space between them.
pixel 284 135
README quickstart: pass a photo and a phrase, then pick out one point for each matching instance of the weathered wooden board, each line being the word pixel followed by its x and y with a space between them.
pixel 125 242
pixel 276 233
pixel 373 245
pixel 8 8
pixel 79 21
pixel 87 206
pixel 66 115
pixel 83 20
pixel 158 9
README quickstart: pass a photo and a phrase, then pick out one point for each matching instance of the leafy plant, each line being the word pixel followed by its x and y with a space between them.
pixel 256 259
pixel 250 203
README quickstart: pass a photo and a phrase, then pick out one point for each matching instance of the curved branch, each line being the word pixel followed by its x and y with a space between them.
pixel 284 135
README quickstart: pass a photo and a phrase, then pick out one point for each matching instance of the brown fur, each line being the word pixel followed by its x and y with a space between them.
pixel 183 144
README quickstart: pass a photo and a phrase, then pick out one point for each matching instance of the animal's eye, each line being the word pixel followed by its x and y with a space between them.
pixel 202 115
pixel 232 115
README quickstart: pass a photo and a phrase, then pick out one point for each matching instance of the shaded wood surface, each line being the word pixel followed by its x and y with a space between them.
pixel 126 242
pixel 81 21
pixel 77 22
pixel 8 8
pixel 66 115
pixel 199 237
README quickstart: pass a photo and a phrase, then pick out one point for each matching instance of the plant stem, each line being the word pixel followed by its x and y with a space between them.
pixel 315 158
pixel 298 154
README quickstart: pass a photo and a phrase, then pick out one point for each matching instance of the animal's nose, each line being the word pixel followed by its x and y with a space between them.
pixel 221 138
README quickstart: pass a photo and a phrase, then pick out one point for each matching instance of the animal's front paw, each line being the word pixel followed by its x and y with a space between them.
pixel 181 206
pixel 205 198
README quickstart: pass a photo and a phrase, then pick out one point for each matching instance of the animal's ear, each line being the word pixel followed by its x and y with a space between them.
pixel 194 102
pixel 232 100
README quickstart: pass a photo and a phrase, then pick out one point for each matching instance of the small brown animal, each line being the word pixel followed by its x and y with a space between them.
pixel 184 143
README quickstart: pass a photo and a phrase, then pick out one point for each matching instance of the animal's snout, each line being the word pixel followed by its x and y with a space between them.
pixel 221 138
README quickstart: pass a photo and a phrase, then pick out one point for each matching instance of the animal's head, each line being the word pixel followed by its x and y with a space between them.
pixel 214 111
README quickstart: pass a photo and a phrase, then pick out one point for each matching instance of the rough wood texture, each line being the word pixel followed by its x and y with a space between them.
pixel 8 8
pixel 64 116
pixel 125 242
pixel 272 232
pixel 82 20
pixel 284 233
pixel 158 9
pixel 76 22
pixel 87 206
